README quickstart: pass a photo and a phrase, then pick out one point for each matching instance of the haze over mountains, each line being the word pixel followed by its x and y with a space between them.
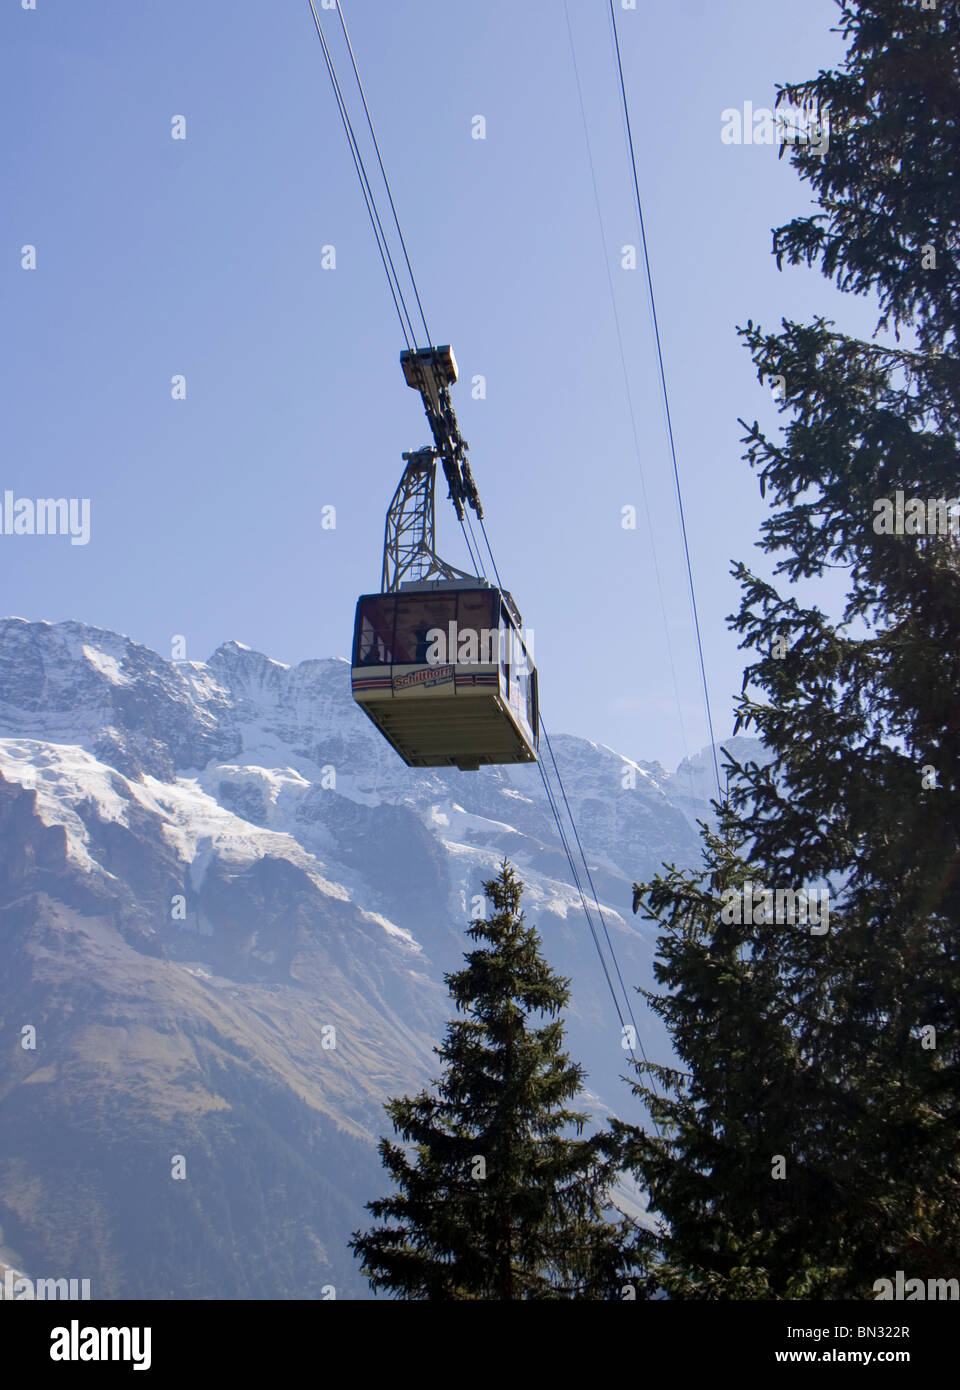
pixel 226 907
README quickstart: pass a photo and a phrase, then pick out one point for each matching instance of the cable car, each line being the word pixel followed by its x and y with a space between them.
pixel 442 669
pixel 440 662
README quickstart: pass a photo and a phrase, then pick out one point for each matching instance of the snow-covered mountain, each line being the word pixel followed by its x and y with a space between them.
pixel 226 908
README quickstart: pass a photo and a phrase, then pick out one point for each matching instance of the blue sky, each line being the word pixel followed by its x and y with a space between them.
pixel 202 257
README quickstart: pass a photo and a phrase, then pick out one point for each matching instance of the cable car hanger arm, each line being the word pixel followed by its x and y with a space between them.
pixel 432 371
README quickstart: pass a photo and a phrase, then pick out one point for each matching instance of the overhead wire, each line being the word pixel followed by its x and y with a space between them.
pixel 627 387
pixel 393 280
pixel 472 545
pixel 593 889
pixel 551 798
pixel 406 324
pixel 493 562
pixel 637 1040
pixel 386 181
pixel 575 874
pixel 666 396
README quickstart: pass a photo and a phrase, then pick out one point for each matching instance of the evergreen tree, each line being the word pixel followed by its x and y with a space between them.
pixel 750 1164
pixel 496 1200
pixel 840 1052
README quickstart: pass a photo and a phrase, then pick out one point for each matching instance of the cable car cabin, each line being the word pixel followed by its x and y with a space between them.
pixel 441 668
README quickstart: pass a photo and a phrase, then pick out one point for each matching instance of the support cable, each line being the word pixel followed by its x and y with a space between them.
pixel 490 553
pixel 575 874
pixel 382 244
pixel 407 324
pixel 476 543
pixel 627 387
pixel 471 541
pixel 646 1068
pixel 666 399
pixel 576 880
pixel 386 181
pixel 593 890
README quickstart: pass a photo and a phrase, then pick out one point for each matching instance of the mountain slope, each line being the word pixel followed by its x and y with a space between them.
pixel 226 908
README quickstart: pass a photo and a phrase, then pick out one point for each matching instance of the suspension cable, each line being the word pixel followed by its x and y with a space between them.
pixel 406 324
pixel 586 912
pixel 593 890
pixel 367 191
pixel 386 181
pixel 628 391
pixel 575 874
pixel 476 559
pixel 383 245
pixel 576 880
pixel 493 562
pixel 480 564
pixel 666 399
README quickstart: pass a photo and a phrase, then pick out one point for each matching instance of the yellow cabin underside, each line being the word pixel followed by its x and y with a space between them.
pixel 445 727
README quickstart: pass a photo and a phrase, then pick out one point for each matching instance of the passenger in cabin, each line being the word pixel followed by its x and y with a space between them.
pixel 373 651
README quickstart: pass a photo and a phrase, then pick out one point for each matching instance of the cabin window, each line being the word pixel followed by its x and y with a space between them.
pixel 478 631
pixel 515 664
pixel 521 685
pixel 524 691
pixel 507 633
pixel 375 631
pixel 417 616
